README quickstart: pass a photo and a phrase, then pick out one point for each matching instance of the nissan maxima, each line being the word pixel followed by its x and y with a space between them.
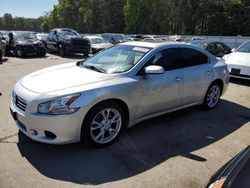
pixel 94 100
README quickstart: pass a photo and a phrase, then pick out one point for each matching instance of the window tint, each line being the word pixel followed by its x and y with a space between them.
pixel 211 47
pixel 193 57
pixel 222 48
pixel 169 59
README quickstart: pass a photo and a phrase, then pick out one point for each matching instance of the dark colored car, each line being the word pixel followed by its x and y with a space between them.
pixel 25 43
pixel 218 49
pixel 234 174
pixel 64 41
pixel 2 46
pixel 114 38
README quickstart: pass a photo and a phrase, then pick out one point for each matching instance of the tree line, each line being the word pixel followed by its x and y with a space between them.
pixel 194 17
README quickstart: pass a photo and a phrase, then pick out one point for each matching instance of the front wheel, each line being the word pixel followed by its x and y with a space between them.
pixel 212 96
pixel 61 50
pixel 103 124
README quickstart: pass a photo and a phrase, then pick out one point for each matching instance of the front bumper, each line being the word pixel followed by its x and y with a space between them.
pixel 51 129
pixel 32 50
pixel 239 71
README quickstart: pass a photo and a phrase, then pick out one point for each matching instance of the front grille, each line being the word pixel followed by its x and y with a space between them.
pixel 30 48
pixel 80 44
pixel 20 103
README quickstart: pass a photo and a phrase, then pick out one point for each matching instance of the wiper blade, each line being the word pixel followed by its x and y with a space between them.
pixel 94 68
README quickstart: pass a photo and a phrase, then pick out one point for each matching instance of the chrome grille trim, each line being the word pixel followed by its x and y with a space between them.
pixel 20 103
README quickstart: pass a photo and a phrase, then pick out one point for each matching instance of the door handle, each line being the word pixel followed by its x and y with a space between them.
pixel 177 79
pixel 208 72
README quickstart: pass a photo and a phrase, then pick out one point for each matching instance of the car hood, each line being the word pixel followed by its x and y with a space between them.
pixel 27 42
pixel 61 77
pixel 238 58
pixel 70 37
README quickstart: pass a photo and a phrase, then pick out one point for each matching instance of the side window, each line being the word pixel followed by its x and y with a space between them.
pixel 169 59
pixel 51 35
pixel 211 47
pixel 193 57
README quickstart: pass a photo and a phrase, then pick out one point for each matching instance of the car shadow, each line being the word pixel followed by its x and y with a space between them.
pixel 240 81
pixel 4 60
pixel 139 148
pixel 70 55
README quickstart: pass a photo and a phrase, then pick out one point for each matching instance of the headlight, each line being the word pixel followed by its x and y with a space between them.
pixel 59 105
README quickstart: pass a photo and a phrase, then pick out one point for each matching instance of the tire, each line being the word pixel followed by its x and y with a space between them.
pixel 18 52
pixel 98 129
pixel 1 55
pixel 212 96
pixel 42 52
pixel 61 50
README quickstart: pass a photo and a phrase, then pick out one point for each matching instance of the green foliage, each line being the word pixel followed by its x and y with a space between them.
pixel 200 17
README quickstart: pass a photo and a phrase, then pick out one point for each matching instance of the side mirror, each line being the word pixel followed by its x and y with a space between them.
pixel 233 50
pixel 154 69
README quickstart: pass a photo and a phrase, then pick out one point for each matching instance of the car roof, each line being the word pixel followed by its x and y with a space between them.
pixel 152 45
pixel 93 37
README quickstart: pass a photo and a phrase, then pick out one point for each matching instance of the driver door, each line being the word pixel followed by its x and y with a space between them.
pixel 159 92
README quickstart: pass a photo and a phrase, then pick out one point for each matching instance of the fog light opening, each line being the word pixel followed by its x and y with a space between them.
pixel 49 135
pixel 33 132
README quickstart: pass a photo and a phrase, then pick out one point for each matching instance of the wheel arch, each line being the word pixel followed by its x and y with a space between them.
pixel 220 82
pixel 120 102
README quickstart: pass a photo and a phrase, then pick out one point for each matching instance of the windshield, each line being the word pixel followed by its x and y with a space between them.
pixel 245 47
pixel 97 40
pixel 69 32
pixel 117 59
pixel 120 37
pixel 26 36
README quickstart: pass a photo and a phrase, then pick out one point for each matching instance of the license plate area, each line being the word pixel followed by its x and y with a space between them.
pixel 13 114
pixel 235 71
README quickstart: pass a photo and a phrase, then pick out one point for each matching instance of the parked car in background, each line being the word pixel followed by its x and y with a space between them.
pixel 114 38
pixel 42 37
pixel 136 37
pixel 153 40
pixel 234 174
pixel 65 40
pixel 24 44
pixel 5 34
pixel 218 49
pixel 2 46
pixel 97 43
pixel 198 39
pixel 239 61
pixel 93 100
pixel 176 38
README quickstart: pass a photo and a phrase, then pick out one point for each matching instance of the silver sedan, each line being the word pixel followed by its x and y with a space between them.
pixel 93 100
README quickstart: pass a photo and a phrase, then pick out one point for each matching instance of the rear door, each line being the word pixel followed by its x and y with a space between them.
pixel 198 74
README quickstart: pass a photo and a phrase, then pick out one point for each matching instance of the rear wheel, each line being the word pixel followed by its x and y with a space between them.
pixel 103 124
pixel 212 96
pixel 42 52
